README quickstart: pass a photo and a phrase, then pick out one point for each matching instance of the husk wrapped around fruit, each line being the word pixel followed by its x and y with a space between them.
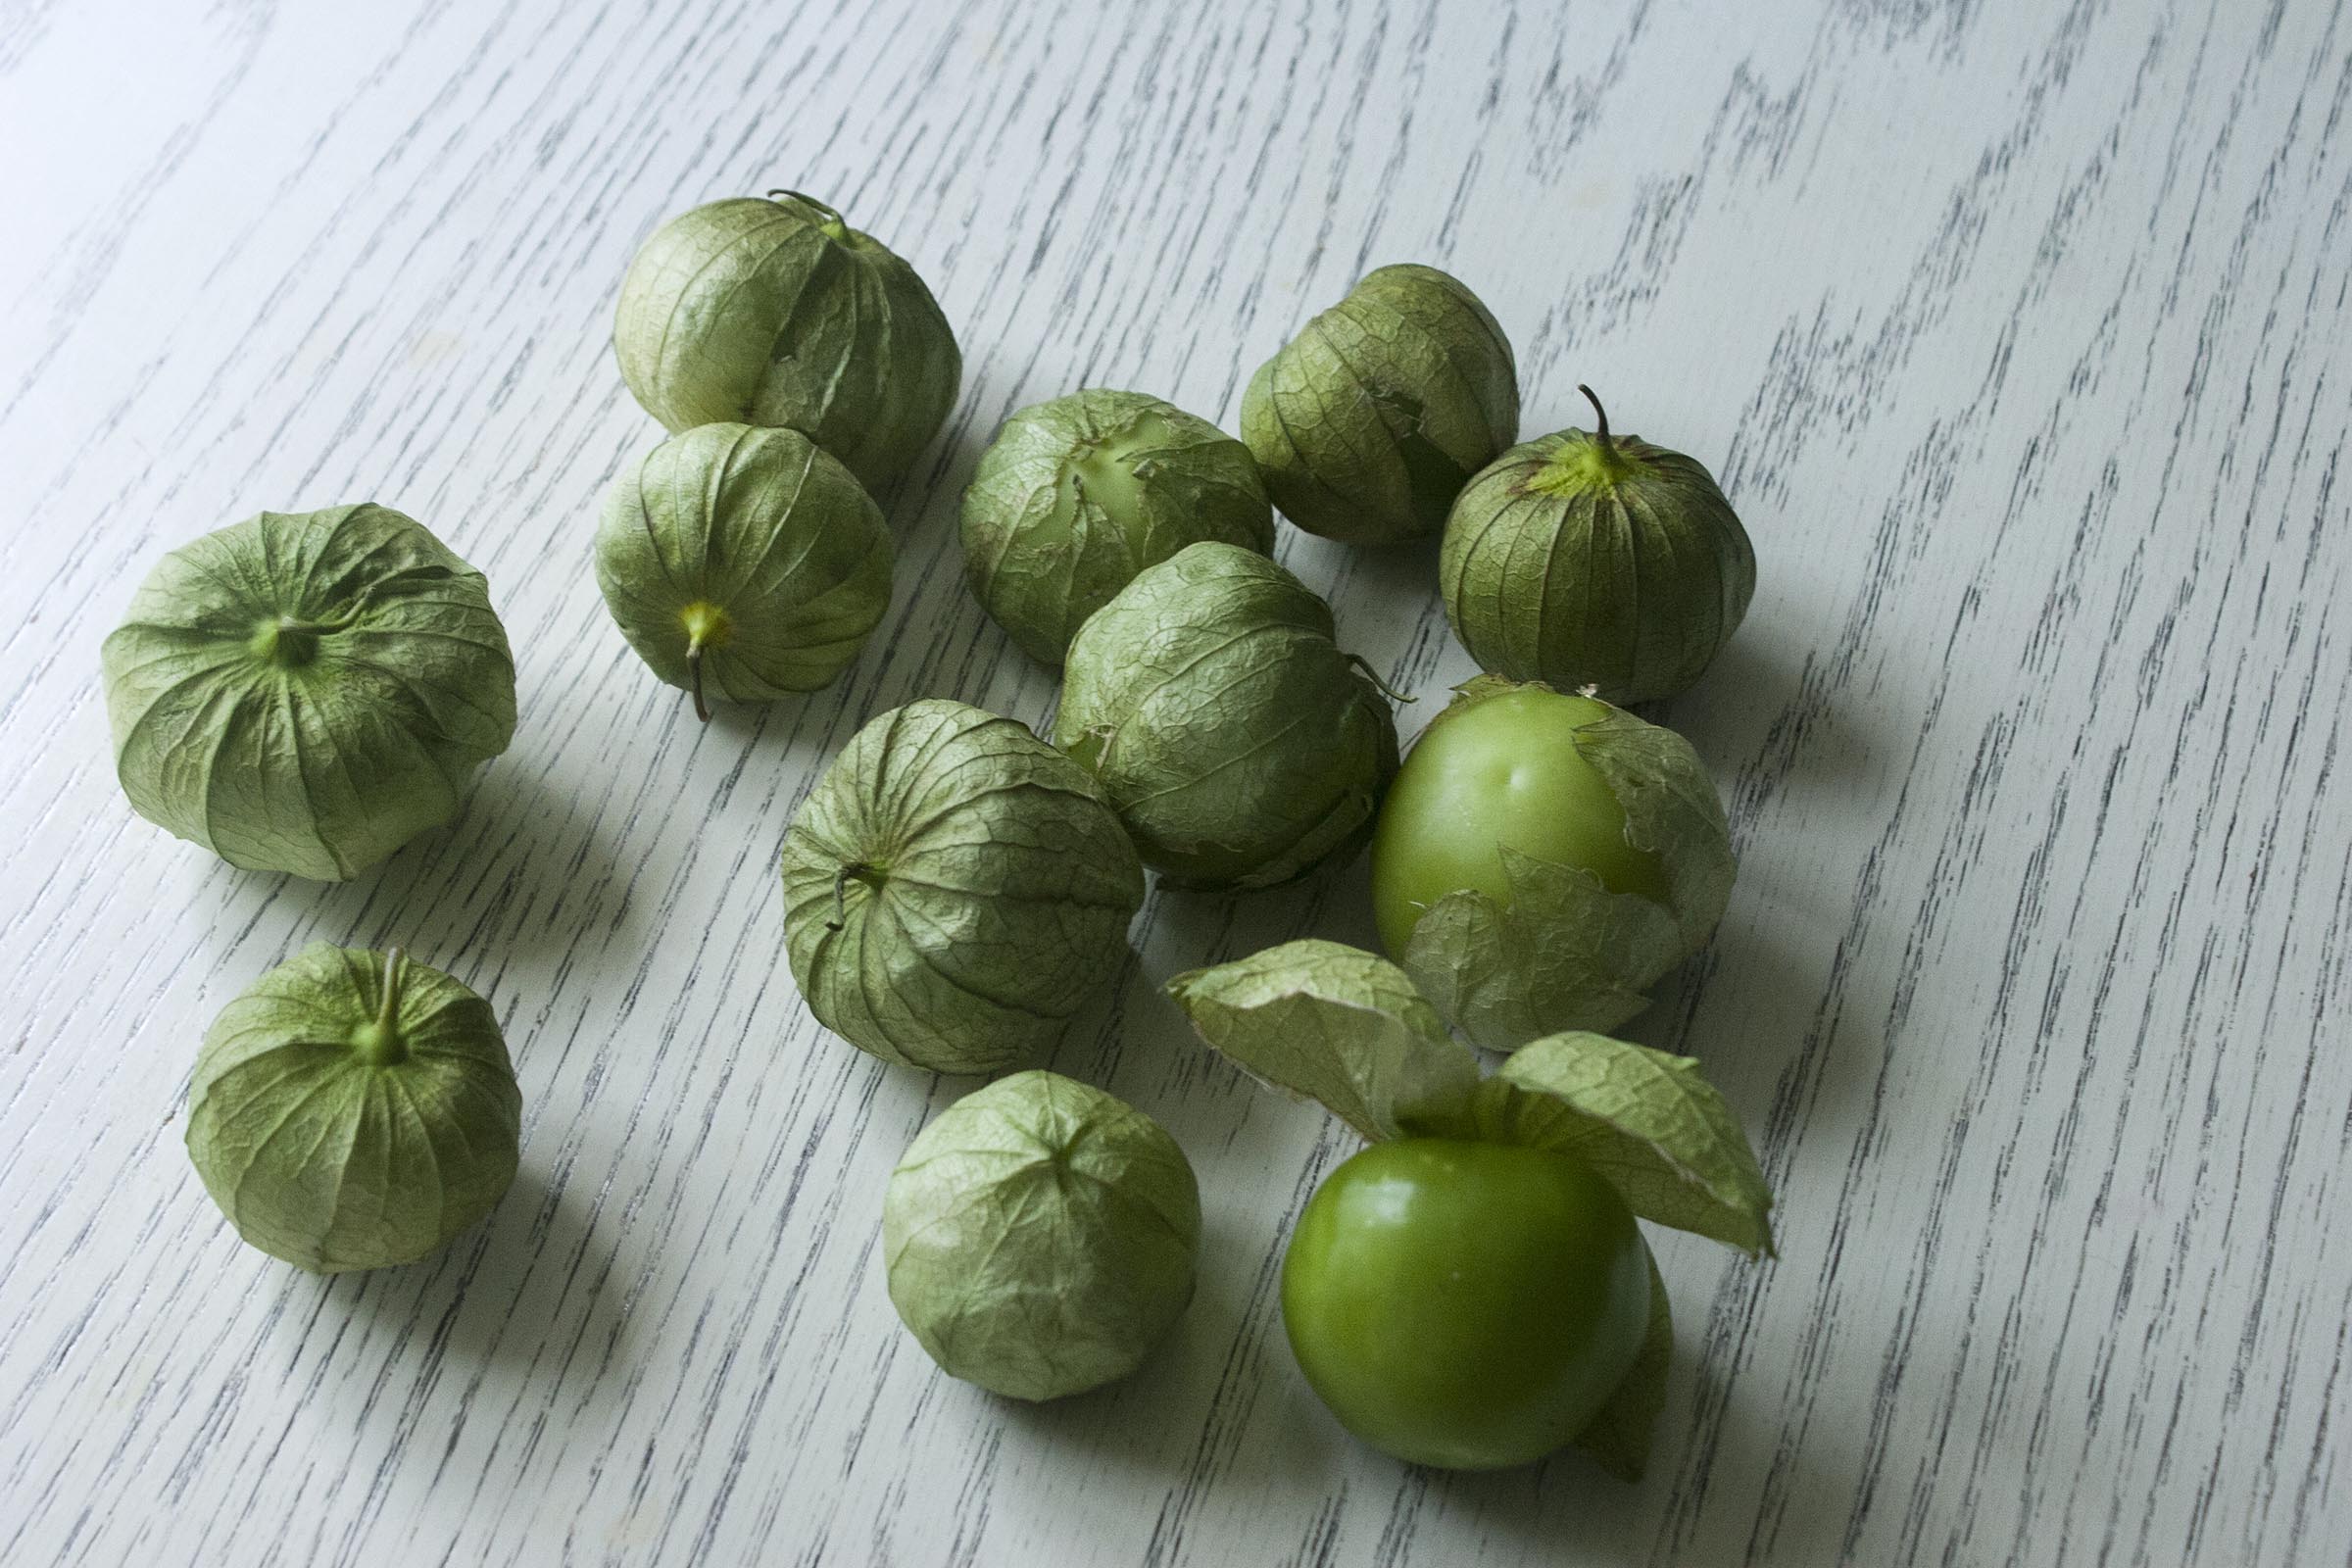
pixel 777 312
pixel 1368 424
pixel 955 889
pixel 1077 495
pixel 1593 560
pixel 1239 745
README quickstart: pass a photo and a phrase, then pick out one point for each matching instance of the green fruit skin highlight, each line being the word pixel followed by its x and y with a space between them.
pixel 1469 1305
pixel 1502 772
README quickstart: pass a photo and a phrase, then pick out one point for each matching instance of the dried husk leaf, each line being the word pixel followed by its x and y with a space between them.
pixel 1337 1025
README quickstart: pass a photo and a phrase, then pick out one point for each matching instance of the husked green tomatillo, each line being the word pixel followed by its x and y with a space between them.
pixel 777 312
pixel 1076 496
pixel 1595 560
pixel 1368 424
pixel 742 562
pixel 1038 1237
pixel 955 890
pixel 307 691
pixel 1240 746
pixel 354 1110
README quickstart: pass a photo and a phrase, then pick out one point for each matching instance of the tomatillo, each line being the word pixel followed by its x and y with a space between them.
pixel 1504 770
pixel 1464 1304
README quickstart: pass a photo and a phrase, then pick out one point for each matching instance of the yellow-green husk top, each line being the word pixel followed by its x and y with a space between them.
pixel 1240 746
pixel 1368 424
pixel 742 562
pixel 307 691
pixel 354 1110
pixel 774 311
pixel 1587 559
pixel 1077 495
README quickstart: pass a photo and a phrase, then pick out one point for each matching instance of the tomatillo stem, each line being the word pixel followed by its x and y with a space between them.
pixel 1370 674
pixel 694 671
pixel 858 870
pixel 1602 414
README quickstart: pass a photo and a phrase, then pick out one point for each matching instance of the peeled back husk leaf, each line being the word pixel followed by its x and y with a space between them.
pixel 777 312
pixel 1240 746
pixel 1566 952
pixel 1039 1238
pixel 1590 560
pixel 338 1134
pixel 1333 1024
pixel 743 562
pixel 1648 1122
pixel 1077 495
pixel 1345 1028
pixel 308 692
pixel 1368 424
pixel 955 890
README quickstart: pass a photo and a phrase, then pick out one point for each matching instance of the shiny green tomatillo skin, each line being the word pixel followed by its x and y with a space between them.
pixel 354 1110
pixel 1465 1304
pixel 1594 559
pixel 307 691
pixel 1239 745
pixel 1077 495
pixel 775 312
pixel 1505 771
pixel 1368 424
pixel 743 562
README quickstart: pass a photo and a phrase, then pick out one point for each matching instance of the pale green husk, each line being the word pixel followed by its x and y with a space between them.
pixel 777 312
pixel 308 692
pixel 1040 1236
pixel 955 889
pixel 1344 1027
pixel 1368 424
pixel 330 1160
pixel 751 545
pixel 1076 496
pixel 1567 953
pixel 1591 560
pixel 1241 746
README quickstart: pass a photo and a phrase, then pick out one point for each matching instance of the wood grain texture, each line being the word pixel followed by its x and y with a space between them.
pixel 2018 332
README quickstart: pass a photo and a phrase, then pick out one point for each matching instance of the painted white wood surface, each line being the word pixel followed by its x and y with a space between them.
pixel 2018 333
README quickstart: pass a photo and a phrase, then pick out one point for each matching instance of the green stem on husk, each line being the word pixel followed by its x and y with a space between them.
pixel 860 871
pixel 834 224
pixel 1386 690
pixel 694 673
pixel 377 1042
pixel 1600 435
pixel 396 964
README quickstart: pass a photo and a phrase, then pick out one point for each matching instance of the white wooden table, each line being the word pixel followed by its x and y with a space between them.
pixel 2019 332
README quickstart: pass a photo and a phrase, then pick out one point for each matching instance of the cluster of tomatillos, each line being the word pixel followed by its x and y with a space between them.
pixel 306 693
